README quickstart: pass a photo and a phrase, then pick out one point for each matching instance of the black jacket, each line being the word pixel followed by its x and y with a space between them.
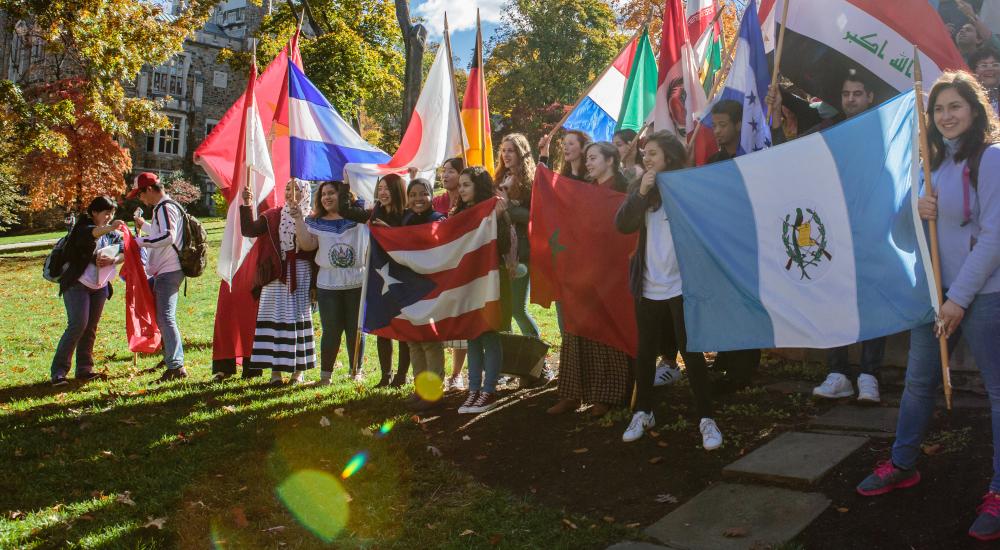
pixel 80 250
pixel 631 217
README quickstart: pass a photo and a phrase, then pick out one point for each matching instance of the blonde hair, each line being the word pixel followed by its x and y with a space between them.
pixel 523 172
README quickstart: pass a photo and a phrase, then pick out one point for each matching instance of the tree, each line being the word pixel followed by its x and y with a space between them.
pixel 180 188
pixel 415 40
pixel 354 57
pixel 544 56
pixel 93 166
pixel 89 51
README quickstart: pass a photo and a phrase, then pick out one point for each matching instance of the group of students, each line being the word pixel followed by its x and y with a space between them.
pixel 316 241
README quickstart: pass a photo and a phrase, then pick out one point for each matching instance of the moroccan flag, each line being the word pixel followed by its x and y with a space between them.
pixel 640 90
pixel 476 112
pixel 826 39
pixel 679 94
pixel 579 259
pixel 222 155
pixel 140 306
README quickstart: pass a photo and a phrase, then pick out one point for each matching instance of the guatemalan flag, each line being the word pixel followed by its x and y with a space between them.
pixel 747 83
pixel 597 113
pixel 321 141
pixel 815 243
pixel 437 281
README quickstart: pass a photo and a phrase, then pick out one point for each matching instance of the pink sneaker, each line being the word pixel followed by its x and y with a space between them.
pixel 886 478
pixel 987 525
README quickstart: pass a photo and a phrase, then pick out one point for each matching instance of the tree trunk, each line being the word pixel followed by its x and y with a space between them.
pixel 415 38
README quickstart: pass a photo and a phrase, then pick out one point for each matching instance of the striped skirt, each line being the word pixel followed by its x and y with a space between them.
pixel 593 372
pixel 283 339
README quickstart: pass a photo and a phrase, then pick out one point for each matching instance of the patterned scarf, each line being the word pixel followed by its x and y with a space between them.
pixel 286 229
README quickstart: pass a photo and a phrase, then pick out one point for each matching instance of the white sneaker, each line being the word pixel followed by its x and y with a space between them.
pixel 711 437
pixel 835 386
pixel 666 374
pixel 641 421
pixel 868 389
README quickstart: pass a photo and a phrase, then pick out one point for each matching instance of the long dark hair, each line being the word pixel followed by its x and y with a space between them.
pixel 984 121
pixel 676 155
pixel 628 136
pixel 318 211
pixel 397 194
pixel 482 187
pixel 101 203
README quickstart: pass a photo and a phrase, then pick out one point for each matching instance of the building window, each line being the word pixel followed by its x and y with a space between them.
pixel 168 141
pixel 220 79
pixel 169 79
pixel 209 126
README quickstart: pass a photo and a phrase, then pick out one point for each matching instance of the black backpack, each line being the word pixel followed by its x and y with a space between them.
pixel 193 252
pixel 56 262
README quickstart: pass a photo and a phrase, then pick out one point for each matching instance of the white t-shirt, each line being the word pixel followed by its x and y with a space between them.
pixel 340 256
pixel 97 278
pixel 661 279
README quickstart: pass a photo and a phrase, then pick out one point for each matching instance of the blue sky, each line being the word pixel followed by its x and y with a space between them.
pixel 461 19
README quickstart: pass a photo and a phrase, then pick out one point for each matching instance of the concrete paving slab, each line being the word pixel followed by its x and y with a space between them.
pixel 867 418
pixel 752 516
pixel 637 546
pixel 795 457
pixel 856 433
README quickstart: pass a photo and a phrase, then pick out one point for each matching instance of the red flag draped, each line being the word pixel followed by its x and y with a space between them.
pixel 221 155
pixel 579 259
pixel 140 306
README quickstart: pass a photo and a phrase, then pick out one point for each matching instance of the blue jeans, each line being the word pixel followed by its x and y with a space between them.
pixel 485 355
pixel 166 287
pixel 519 303
pixel 981 327
pixel 83 312
pixel 872 352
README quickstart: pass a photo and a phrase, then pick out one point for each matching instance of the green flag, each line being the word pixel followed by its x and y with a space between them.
pixel 711 63
pixel 640 91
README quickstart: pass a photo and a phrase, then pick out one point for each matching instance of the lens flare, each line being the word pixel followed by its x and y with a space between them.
pixel 429 386
pixel 317 501
pixel 385 428
pixel 354 464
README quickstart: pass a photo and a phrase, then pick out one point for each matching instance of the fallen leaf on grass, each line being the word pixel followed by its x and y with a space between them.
pixel 229 408
pixel 87 517
pixel 656 460
pixel 196 504
pixel 931 450
pixel 735 533
pixel 275 529
pixel 581 450
pixel 20 452
pixel 239 517
pixel 654 434
pixel 367 432
pixel 843 509
pixel 608 519
pixel 339 412
pixel 665 498
pixel 108 454
pixel 158 522
pixel 324 422
pixel 661 443
pixel 495 539
pixel 466 438
pixel 433 450
pixel 569 524
pixel 125 498
pixel 130 421
pixel 467 532
pixel 16 514
pixel 481 457
pixel 633 525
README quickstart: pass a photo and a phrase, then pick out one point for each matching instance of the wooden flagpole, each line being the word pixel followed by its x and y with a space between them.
pixel 484 112
pixel 355 368
pixel 781 42
pixel 925 155
pixel 454 90
pixel 593 84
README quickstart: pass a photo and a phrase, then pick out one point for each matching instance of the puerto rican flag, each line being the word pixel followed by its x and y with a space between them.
pixel 437 281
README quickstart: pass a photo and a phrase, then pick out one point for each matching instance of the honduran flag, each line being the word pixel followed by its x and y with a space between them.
pixel 437 281
pixel 747 83
pixel 826 251
pixel 597 113
pixel 826 38
pixel 322 142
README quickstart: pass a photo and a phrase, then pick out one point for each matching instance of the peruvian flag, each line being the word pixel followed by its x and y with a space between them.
pixel 434 134
pixel 222 155
pixel 825 39
pixel 591 282
pixel 679 95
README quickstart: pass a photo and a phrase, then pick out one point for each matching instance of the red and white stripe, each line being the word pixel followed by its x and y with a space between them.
pixel 461 256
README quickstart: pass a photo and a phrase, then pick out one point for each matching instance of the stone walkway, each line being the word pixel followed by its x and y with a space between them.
pixel 26 247
pixel 769 502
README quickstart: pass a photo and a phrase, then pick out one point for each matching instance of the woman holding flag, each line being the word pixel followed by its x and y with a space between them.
pixel 655 279
pixel 965 200
pixel 390 206
pixel 283 337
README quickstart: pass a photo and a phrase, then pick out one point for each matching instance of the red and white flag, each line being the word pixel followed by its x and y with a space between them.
pixel 434 134
pixel 437 281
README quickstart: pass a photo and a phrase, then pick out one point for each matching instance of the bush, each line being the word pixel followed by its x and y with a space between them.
pixel 181 189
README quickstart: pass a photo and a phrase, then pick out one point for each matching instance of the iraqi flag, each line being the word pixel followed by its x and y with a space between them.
pixel 830 253
pixel 437 281
pixel 826 38
pixel 433 136
pixel 591 282
pixel 222 156
pixel 597 113
pixel 680 95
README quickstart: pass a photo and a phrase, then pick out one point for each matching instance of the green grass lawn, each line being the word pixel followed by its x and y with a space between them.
pixel 211 224
pixel 126 464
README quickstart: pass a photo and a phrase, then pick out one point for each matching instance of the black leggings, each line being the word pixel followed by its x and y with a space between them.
pixel 338 314
pixel 657 321
pixel 384 346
